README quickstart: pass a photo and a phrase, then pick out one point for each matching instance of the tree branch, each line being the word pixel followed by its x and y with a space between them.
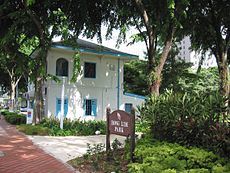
pixel 145 40
pixel 144 14
pixel 145 17
pixel 8 71
pixel 166 49
pixel 38 24
pixel 16 83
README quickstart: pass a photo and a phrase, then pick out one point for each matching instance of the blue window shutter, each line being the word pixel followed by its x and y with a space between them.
pixel 84 106
pixel 65 107
pixel 58 106
pixel 94 107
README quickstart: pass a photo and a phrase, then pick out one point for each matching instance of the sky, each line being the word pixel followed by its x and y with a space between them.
pixel 136 49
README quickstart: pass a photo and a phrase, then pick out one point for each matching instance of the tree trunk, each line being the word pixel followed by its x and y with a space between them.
pixel 12 96
pixel 39 79
pixel 155 86
pixel 156 73
pixel 224 79
pixel 224 75
pixel 13 83
pixel 38 104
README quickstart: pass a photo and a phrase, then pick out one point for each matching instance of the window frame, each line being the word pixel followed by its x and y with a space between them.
pixel 95 73
pixel 57 67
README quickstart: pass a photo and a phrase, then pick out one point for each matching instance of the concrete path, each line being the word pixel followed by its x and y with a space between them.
pixel 19 155
pixel 67 148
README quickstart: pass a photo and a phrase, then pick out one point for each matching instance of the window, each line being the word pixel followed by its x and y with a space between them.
pixel 58 106
pixel 112 67
pixel 128 107
pixel 90 70
pixel 62 67
pixel 90 107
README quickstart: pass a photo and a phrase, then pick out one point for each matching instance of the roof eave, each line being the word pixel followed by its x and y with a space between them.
pixel 69 48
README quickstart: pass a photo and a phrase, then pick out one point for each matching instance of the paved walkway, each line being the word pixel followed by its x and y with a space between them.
pixel 19 155
pixel 69 147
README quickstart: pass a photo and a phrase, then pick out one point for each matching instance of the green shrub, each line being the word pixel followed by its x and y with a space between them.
pixel 33 129
pixel 76 127
pixel 195 119
pixel 142 126
pixel 4 112
pixel 14 118
pixel 154 156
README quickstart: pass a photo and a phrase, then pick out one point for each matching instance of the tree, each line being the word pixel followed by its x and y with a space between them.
pixel 175 70
pixel 135 77
pixel 44 20
pixel 157 23
pixel 177 76
pixel 14 63
pixel 209 28
pixel 14 71
pixel 175 73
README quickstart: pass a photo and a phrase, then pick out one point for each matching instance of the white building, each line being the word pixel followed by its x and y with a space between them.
pixel 98 86
pixel 194 57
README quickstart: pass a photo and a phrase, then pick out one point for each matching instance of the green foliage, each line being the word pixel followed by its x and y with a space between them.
pixel 162 157
pixel 135 77
pixel 96 152
pixel 177 76
pixel 116 144
pixel 206 80
pixel 76 127
pixel 93 154
pixel 4 112
pixel 94 149
pixel 14 118
pixel 33 129
pixel 190 119
pixel 76 67
pixel 142 126
pixel 41 21
pixel 213 18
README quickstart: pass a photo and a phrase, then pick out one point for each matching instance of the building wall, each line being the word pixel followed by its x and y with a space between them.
pixel 104 87
pixel 194 57
pixel 185 51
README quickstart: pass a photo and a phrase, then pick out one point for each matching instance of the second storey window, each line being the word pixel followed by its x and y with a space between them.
pixel 62 67
pixel 90 70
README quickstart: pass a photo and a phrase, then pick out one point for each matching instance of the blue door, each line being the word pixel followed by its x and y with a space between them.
pixel 128 107
pixel 90 107
pixel 58 106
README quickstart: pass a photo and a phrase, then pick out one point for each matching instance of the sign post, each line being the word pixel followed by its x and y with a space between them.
pixel 62 102
pixel 29 116
pixel 108 110
pixel 121 123
pixel 132 143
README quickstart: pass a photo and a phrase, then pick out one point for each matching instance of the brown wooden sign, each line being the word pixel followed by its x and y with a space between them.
pixel 121 123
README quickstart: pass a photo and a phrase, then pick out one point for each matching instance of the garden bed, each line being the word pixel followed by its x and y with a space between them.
pixel 152 156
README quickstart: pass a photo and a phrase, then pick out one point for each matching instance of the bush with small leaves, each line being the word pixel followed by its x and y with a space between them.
pixel 154 156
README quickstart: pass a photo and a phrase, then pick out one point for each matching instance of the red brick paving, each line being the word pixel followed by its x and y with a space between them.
pixel 21 156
